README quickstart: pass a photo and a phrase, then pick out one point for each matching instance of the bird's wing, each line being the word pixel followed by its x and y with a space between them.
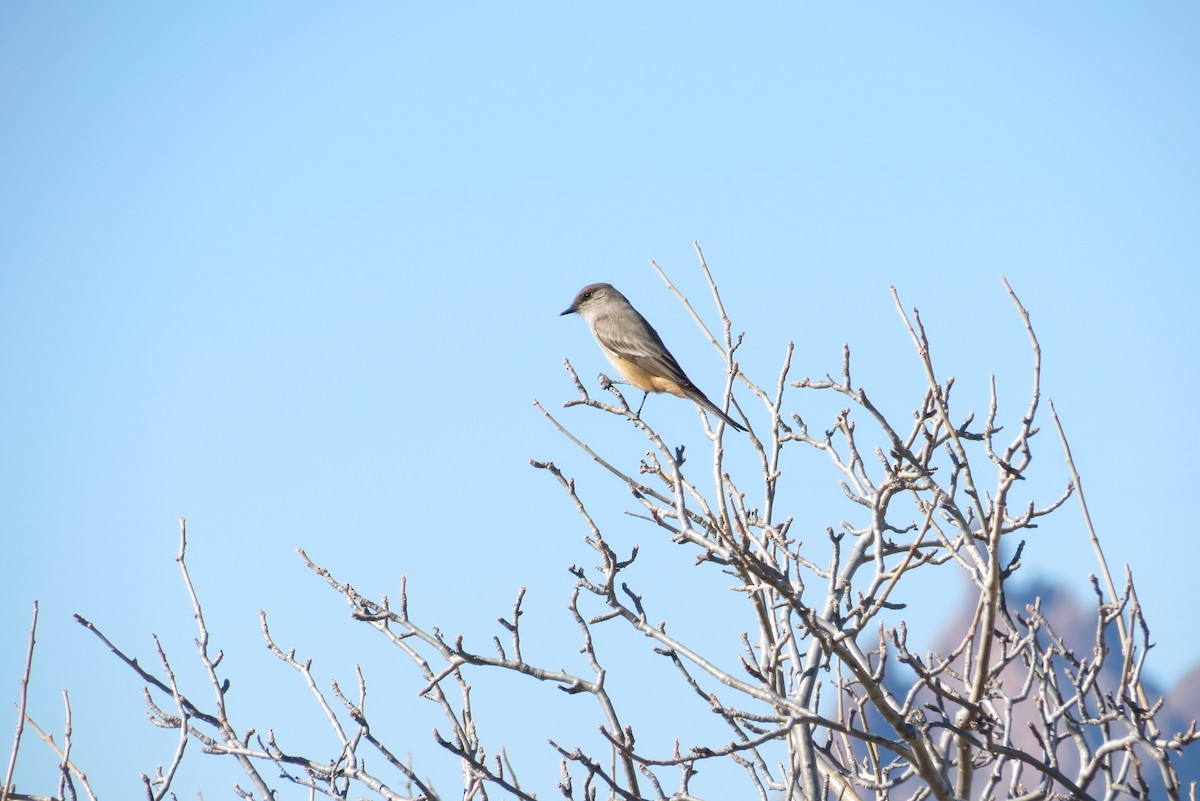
pixel 644 348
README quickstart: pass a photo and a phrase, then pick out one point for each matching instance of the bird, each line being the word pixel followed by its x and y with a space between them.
pixel 635 348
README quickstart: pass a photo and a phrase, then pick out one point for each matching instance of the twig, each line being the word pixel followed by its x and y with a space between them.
pixel 48 739
pixel 12 758
pixel 66 788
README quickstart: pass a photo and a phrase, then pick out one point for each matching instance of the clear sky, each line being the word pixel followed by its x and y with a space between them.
pixel 293 271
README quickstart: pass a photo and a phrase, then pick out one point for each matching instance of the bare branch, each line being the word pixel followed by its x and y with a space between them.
pixel 12 757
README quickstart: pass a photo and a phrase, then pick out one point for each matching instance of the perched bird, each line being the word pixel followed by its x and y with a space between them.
pixel 635 348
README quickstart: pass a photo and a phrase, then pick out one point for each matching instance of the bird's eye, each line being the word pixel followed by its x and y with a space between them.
pixel 587 295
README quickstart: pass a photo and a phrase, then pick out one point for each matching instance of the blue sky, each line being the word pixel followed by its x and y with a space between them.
pixel 293 271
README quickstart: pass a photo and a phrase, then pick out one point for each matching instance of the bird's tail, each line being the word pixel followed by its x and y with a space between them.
pixel 712 407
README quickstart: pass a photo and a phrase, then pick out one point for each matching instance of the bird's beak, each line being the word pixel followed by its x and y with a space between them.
pixel 569 310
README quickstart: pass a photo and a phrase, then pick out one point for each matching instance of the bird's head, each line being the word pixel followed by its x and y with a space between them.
pixel 591 298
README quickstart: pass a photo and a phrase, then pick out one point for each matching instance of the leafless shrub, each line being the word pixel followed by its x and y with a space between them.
pixel 829 701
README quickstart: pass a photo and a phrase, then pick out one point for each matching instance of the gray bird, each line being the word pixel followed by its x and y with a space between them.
pixel 635 348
